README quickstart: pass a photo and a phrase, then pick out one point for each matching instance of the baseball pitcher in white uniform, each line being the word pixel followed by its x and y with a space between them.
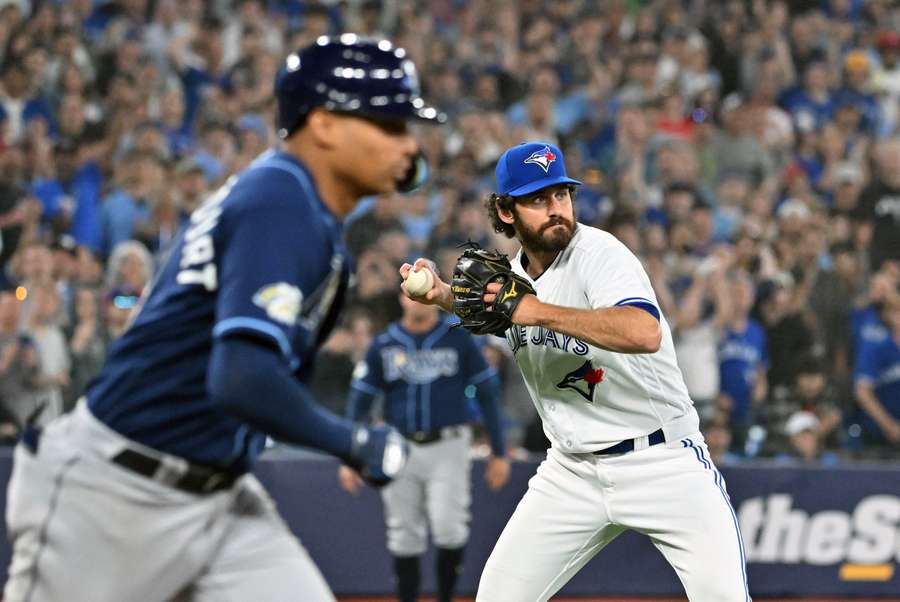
pixel 583 322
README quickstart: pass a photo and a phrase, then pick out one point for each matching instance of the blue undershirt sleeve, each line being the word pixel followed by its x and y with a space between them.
pixel 251 380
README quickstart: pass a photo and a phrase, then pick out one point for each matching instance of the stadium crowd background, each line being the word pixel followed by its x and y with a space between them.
pixel 747 152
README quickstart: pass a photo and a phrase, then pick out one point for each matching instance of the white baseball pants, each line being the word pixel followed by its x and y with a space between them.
pixel 577 503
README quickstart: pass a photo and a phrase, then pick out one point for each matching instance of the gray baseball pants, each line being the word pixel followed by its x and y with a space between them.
pixel 86 530
pixel 433 491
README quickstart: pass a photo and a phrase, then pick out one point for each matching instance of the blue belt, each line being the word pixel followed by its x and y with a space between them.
pixel 626 446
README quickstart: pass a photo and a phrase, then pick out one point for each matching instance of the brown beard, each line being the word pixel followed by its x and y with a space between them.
pixel 540 242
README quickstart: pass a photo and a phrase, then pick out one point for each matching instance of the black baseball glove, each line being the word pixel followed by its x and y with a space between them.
pixel 475 269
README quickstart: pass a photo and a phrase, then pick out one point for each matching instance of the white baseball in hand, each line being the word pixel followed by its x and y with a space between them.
pixel 419 283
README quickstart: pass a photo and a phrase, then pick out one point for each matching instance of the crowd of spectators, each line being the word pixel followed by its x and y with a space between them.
pixel 747 151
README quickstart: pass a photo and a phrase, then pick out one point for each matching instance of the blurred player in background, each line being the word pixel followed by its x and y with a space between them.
pixel 426 373
pixel 143 492
pixel 598 358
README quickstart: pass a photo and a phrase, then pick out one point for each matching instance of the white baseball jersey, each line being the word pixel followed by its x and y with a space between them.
pixel 589 398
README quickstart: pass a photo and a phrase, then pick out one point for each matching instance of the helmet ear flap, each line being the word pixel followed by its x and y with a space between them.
pixel 415 176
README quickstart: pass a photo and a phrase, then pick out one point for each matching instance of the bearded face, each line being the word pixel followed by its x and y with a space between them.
pixel 547 231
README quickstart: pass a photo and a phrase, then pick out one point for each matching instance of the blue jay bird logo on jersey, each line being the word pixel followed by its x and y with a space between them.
pixel 542 158
pixel 583 380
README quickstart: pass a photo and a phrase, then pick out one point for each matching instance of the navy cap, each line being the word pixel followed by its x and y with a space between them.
pixel 529 167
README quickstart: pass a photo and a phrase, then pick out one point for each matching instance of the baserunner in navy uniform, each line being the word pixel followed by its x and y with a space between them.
pixel 142 494
pixel 427 374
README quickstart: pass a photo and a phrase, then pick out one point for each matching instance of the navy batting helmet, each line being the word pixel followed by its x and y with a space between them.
pixel 349 74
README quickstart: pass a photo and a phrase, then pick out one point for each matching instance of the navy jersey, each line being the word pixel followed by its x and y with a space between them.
pixel 262 258
pixel 427 380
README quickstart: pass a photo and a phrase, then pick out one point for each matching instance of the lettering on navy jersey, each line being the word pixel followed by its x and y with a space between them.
pixel 517 337
pixel 198 253
pixel 419 367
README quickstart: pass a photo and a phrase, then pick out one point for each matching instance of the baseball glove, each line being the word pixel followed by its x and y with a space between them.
pixel 475 269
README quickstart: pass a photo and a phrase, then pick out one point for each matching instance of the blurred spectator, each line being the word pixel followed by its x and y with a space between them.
pixel 127 210
pixel 702 313
pixel 65 274
pixel 117 308
pixel 813 392
pixel 130 266
pixel 19 216
pixel 253 139
pixel 812 100
pixel 736 149
pixel 886 79
pixel 855 92
pixel 364 228
pixel 834 294
pixel 788 336
pixel 743 361
pixel 54 363
pixel 338 357
pixel 879 204
pixel 18 367
pixel 878 387
pixel 216 151
pixel 190 187
pixel 377 281
pixel 866 323
pixel 89 269
pixel 803 431
pixel 20 102
pixel 86 343
pixel 717 436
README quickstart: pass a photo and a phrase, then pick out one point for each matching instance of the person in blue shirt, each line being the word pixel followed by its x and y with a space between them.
pixel 143 492
pixel 71 196
pixel 743 362
pixel 877 387
pixel 427 373
pixel 813 99
pixel 131 203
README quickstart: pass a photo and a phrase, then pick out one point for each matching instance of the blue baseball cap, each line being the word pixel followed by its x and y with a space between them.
pixel 529 167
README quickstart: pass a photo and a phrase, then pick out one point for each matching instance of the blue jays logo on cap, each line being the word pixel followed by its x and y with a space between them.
pixel 529 167
pixel 543 157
